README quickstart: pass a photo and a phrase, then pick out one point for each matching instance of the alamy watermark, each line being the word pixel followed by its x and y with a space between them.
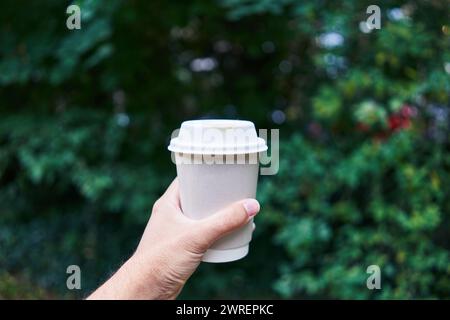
pixel 374 280
pixel 73 281
pixel 373 21
pixel 74 19
pixel 234 146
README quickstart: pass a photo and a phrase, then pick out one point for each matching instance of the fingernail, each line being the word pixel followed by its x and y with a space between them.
pixel 251 206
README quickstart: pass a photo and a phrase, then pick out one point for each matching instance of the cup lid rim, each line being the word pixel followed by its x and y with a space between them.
pixel 250 144
pixel 179 147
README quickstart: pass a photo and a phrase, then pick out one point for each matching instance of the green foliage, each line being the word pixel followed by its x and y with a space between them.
pixel 14 288
pixel 381 203
pixel 85 117
pixel 370 113
pixel 69 184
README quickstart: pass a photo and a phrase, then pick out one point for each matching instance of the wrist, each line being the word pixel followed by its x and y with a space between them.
pixel 133 281
pixel 141 278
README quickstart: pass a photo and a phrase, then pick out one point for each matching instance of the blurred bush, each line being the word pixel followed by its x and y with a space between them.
pixel 13 288
pixel 363 115
pixel 380 203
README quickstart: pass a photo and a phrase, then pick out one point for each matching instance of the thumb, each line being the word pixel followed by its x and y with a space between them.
pixel 228 219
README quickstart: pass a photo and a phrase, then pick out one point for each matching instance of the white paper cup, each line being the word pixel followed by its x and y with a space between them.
pixel 217 164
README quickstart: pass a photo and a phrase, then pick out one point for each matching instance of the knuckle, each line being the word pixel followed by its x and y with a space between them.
pixel 197 243
pixel 239 214
pixel 230 219
pixel 234 218
pixel 192 241
pixel 157 205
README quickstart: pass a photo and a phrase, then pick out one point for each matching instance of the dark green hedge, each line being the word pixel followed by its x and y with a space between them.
pixel 85 118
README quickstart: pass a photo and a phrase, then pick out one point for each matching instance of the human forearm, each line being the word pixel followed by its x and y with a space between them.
pixel 134 280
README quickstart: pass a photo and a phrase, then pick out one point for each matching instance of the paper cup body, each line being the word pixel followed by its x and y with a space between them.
pixel 209 182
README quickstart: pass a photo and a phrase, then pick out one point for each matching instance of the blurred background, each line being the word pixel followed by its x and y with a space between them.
pixel 86 116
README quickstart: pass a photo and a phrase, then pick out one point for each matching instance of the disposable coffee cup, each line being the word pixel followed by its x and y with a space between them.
pixel 217 163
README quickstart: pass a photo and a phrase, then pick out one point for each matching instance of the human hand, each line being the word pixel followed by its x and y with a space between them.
pixel 171 248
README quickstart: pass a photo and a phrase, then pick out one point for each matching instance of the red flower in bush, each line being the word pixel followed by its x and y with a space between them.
pixel 397 121
pixel 401 119
pixel 362 127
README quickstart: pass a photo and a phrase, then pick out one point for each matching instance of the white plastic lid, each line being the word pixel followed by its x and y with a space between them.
pixel 217 137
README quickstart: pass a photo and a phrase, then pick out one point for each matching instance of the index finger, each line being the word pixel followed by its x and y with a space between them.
pixel 172 193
